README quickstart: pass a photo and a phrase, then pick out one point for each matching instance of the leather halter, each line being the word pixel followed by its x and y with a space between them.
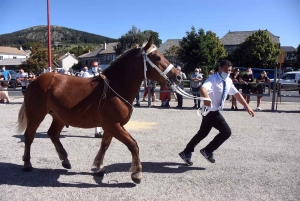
pixel 146 59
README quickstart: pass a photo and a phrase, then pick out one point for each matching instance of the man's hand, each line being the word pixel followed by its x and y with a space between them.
pixel 250 111
pixel 207 103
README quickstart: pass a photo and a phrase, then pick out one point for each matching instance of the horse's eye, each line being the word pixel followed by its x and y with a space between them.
pixel 158 58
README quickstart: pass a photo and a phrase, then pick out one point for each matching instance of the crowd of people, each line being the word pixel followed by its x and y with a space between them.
pixel 243 82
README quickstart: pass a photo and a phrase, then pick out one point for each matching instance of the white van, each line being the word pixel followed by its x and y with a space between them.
pixel 289 80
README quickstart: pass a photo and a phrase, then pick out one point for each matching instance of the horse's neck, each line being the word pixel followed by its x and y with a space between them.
pixel 128 82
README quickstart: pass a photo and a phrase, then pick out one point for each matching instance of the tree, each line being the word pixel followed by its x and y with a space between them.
pixel 297 55
pixel 258 50
pixel 38 59
pixel 200 49
pixel 133 38
pixel 155 35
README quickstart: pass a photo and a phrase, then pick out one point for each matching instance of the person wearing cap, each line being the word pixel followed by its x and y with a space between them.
pixel 196 82
pixel 181 85
pixel 216 88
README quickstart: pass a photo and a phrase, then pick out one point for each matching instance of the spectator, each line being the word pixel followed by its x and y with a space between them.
pixel 246 87
pixel 181 85
pixel 263 78
pixel 211 72
pixel 7 77
pixel 164 96
pixel 55 71
pixel 23 79
pixel 2 85
pixel 137 98
pixel 31 76
pixel 152 90
pixel 235 77
pixel 93 72
pixel 66 72
pixel 196 83
pixel 85 72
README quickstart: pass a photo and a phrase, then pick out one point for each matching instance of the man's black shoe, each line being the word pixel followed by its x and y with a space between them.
pixel 137 105
pixel 208 155
pixel 186 158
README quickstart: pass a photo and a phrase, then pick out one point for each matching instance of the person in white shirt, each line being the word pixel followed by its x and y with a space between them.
pixel 216 87
pixel 23 78
pixel 92 72
pixel 66 72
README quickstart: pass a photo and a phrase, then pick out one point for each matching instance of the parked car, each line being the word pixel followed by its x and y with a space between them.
pixel 288 80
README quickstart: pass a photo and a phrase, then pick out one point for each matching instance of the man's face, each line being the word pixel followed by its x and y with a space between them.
pixel 226 69
pixel 21 71
pixel 94 64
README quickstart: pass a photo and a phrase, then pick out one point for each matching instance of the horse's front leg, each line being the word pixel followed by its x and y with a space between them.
pixel 98 161
pixel 136 166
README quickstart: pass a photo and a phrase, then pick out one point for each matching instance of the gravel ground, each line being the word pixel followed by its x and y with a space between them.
pixel 260 161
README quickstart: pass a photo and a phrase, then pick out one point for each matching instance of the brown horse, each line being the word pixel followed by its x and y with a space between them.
pixel 105 101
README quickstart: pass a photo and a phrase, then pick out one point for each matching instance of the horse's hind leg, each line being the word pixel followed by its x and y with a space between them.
pixel 54 133
pixel 98 161
pixel 28 139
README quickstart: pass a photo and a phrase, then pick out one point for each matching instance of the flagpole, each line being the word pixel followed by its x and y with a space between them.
pixel 49 36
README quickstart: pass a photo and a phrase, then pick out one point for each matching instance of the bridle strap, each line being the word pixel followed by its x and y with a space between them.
pixel 146 59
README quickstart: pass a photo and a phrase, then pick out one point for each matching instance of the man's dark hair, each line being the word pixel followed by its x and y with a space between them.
pixel 225 63
pixel 92 61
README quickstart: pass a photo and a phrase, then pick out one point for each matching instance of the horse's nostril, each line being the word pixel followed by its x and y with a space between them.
pixel 178 77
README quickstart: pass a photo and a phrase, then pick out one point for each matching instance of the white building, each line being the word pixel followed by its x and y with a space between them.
pixel 67 61
pixel 12 57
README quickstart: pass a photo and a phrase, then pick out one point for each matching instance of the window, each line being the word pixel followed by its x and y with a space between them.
pixel 14 57
pixel 107 57
pixel 1 57
pixel 290 76
pixel 112 57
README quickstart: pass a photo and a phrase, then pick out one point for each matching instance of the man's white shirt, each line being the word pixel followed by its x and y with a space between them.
pixel 214 87
pixel 89 73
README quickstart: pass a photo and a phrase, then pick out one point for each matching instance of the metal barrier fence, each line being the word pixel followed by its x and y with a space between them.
pixel 275 95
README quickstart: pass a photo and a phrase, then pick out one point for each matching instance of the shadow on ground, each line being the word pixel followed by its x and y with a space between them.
pixel 12 174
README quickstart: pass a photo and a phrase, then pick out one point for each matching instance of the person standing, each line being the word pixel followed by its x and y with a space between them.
pixel 246 87
pixel 181 85
pixel 263 78
pixel 7 77
pixel 235 77
pixel 93 72
pixel 216 87
pixel 23 78
pixel 196 82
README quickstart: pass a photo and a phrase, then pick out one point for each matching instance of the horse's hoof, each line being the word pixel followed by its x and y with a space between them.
pixel 27 169
pixel 100 173
pixel 67 166
pixel 136 177
pixel 136 181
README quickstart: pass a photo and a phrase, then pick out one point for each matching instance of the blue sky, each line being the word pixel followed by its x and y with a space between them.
pixel 170 18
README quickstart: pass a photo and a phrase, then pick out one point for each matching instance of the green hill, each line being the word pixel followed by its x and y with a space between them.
pixel 59 35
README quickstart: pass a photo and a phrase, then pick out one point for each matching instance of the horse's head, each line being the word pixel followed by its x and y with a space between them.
pixel 157 67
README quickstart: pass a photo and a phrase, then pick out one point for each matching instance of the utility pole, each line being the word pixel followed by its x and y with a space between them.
pixel 49 37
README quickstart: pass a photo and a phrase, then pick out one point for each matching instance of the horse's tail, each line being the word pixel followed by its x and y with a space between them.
pixel 22 120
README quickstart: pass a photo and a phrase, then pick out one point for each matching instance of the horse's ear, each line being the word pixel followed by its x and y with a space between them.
pixel 149 44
